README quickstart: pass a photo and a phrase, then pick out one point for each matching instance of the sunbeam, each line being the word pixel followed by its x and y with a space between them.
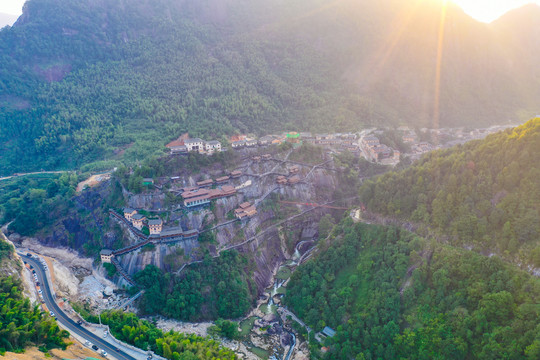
pixel 438 64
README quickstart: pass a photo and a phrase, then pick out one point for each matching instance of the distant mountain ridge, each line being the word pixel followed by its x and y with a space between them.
pixel 80 82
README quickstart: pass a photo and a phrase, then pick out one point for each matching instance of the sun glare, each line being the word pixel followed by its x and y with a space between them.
pixel 489 10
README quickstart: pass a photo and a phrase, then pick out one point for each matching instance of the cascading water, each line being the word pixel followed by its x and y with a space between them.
pixel 291 349
pixel 270 306
pixel 296 254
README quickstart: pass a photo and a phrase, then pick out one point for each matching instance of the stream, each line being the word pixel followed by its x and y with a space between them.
pixel 271 307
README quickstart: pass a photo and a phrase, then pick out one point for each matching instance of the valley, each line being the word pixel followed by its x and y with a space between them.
pixel 269 179
pixel 254 254
pixel 266 239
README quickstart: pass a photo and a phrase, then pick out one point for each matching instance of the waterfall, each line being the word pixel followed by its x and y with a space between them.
pixel 296 254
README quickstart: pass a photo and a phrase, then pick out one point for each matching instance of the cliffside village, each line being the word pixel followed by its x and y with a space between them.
pixel 365 143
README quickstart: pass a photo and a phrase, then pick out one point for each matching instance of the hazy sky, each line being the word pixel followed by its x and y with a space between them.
pixel 13 7
pixel 483 10
pixel 489 10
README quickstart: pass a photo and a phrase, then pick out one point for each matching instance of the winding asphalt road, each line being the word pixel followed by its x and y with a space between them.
pixel 66 321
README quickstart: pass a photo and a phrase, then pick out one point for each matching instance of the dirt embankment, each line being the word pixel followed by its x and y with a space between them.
pixel 93 181
pixel 74 351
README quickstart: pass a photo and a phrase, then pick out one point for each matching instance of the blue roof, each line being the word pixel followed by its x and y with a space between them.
pixel 328 331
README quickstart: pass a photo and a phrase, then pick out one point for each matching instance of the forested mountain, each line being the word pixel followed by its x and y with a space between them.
pixel 391 295
pixel 86 80
pixel 484 194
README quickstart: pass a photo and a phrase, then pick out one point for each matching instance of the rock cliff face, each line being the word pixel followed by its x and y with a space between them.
pixel 11 265
pixel 269 238
pixel 271 244
pixel 153 201
pixel 85 224
pixel 138 260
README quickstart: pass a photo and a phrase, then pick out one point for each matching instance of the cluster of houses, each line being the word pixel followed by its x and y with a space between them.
pixel 245 210
pixel 409 136
pixel 264 157
pixel 344 140
pixel 444 137
pixel 138 221
pixel 220 180
pixel 377 152
pixel 283 180
pixel 422 147
pixel 195 196
pixel 240 141
pixel 293 177
pixel 185 145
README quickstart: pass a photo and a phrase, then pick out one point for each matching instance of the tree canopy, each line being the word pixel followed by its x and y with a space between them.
pixel 391 295
pixel 484 194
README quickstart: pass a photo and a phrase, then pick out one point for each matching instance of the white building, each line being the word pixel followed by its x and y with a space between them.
pixel 106 255
pixel 238 144
pixel 212 146
pixel 194 145
pixel 155 226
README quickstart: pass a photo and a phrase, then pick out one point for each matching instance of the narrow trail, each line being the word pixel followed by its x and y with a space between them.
pixel 247 241
pixel 35 173
pixel 219 225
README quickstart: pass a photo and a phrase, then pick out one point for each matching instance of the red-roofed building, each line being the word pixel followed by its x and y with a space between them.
pixel 235 138
pixel 222 179
pixel 245 210
pixel 177 146
pixel 204 183
pixel 294 179
pixel 244 205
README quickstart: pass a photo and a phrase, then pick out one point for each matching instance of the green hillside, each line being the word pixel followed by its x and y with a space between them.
pixel 216 288
pixel 171 345
pixel 391 295
pixel 86 81
pixel 485 194
pixel 22 324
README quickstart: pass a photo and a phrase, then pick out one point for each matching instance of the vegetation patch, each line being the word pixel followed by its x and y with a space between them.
pixel 484 194
pixel 246 325
pixel 219 287
pixel 171 345
pixel 391 295
pixel 283 273
pixel 22 324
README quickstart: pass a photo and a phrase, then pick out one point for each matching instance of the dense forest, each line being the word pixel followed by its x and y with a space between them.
pixel 215 288
pixel 32 203
pixel 88 81
pixel 484 194
pixel 392 295
pixel 171 345
pixel 21 323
